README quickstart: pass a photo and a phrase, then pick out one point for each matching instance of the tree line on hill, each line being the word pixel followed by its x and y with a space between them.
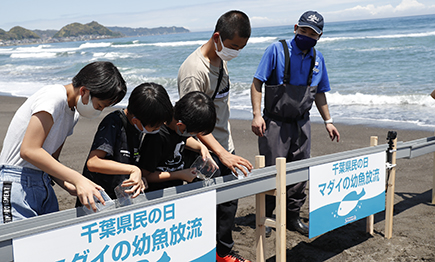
pixel 90 29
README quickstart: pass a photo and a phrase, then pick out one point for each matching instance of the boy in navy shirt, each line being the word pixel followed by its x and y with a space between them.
pixel 115 151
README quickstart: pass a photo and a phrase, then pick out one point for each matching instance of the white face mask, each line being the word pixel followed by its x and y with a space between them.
pixel 226 53
pixel 145 131
pixel 87 110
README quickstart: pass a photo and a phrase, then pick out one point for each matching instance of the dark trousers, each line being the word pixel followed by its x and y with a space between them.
pixel 225 212
pixel 292 141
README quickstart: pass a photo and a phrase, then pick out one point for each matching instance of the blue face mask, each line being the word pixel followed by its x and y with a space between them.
pixel 305 42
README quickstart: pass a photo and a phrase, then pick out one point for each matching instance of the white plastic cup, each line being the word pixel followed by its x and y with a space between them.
pixel 204 169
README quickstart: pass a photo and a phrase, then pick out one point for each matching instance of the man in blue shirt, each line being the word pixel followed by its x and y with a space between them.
pixel 295 76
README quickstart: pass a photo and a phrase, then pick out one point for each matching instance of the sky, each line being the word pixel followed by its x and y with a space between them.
pixel 195 15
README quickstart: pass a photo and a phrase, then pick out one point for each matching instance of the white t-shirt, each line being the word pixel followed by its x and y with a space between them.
pixel 51 99
pixel 197 74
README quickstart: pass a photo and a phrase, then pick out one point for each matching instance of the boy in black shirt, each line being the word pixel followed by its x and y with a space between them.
pixel 115 151
pixel 161 160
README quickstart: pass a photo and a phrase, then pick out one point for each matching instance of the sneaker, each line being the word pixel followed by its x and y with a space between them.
pixel 231 257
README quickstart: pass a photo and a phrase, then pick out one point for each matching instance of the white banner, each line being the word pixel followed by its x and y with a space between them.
pixel 179 230
pixel 345 191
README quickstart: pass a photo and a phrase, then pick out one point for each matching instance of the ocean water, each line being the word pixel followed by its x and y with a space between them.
pixel 380 71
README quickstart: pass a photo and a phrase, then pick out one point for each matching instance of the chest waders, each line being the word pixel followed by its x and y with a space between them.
pixel 286 112
pixel 289 103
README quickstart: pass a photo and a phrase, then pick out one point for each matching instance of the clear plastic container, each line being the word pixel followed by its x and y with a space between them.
pixel 204 169
pixel 240 174
pixel 124 198
pixel 109 203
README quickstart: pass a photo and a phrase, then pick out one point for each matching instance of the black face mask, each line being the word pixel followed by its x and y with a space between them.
pixel 305 42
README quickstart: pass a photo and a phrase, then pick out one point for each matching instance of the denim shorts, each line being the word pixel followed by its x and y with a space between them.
pixel 25 193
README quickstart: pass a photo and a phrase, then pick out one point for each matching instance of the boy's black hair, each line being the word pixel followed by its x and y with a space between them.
pixel 233 23
pixel 150 103
pixel 103 80
pixel 196 110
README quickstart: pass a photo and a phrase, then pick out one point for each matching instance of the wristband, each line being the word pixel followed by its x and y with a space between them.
pixel 329 121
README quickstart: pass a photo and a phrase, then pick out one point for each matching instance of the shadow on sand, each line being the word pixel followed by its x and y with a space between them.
pixel 332 243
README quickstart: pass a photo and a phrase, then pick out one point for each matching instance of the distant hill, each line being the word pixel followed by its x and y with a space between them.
pixel 3 34
pixel 92 28
pixel 78 32
pixel 18 33
pixel 45 33
pixel 127 31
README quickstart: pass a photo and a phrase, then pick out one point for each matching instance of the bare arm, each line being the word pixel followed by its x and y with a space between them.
pixel 258 125
pixel 187 174
pixel 70 188
pixel 31 150
pixel 97 163
pixel 228 159
pixel 57 153
pixel 195 145
pixel 322 106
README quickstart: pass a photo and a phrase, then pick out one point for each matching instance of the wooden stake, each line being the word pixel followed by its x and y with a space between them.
pixel 433 182
pixel 260 215
pixel 371 219
pixel 390 194
pixel 281 209
pixel 260 162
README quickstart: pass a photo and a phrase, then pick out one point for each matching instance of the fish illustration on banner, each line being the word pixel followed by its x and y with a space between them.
pixel 349 202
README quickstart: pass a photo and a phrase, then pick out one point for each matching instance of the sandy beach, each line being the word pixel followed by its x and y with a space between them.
pixel 414 215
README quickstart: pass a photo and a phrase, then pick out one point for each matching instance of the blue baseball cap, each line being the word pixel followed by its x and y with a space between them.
pixel 313 20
